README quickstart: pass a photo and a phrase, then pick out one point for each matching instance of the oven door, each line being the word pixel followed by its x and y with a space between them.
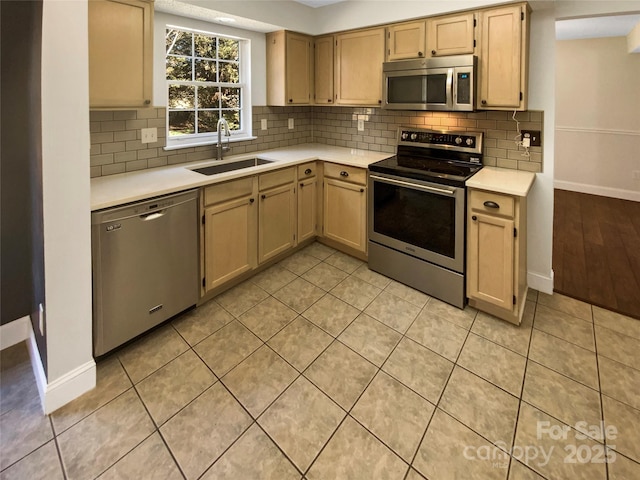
pixel 422 219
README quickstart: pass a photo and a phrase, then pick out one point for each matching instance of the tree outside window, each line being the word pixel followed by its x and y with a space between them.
pixel 204 83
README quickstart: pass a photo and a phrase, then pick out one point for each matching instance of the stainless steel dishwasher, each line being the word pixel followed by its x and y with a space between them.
pixel 145 266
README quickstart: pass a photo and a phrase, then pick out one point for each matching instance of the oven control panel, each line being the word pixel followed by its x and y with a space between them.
pixel 462 141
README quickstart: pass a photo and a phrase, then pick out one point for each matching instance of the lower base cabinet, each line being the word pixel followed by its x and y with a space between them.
pixel 345 206
pixel 230 232
pixel 496 254
pixel 276 213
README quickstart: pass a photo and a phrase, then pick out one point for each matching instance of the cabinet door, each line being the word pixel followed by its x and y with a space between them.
pixel 345 213
pixel 490 260
pixel 450 35
pixel 406 40
pixel 307 191
pixel 359 57
pixel 299 68
pixel 502 58
pixel 324 70
pixel 230 246
pixel 120 53
pixel 277 220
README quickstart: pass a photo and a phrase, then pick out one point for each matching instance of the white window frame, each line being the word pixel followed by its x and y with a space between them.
pixel 209 138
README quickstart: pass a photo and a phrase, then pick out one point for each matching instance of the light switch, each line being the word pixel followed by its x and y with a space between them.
pixel 263 124
pixel 149 135
pixel 360 125
pixel 291 124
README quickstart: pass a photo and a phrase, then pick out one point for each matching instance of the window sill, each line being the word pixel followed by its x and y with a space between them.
pixel 202 143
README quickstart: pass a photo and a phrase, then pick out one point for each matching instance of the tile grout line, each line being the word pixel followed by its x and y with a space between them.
pixel 604 436
pixel 58 451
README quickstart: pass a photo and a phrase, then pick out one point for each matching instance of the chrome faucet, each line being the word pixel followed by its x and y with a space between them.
pixel 222 123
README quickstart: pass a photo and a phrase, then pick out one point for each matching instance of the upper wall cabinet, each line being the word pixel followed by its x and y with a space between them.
pixel 323 53
pixel 503 57
pixel 451 35
pixel 289 68
pixel 120 53
pixel 358 75
pixel 406 40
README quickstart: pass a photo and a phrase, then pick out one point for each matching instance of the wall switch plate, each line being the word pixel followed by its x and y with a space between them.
pixel 534 137
pixel 149 135
pixel 263 124
pixel 41 318
pixel 360 125
pixel 291 124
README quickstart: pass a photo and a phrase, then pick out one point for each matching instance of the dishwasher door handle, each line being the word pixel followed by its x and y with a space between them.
pixel 152 216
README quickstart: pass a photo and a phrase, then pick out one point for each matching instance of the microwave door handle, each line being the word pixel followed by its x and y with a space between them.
pixel 450 88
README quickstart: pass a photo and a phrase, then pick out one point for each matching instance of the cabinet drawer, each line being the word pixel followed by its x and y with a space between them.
pixel 307 170
pixel 226 191
pixel 492 203
pixel 273 179
pixel 345 173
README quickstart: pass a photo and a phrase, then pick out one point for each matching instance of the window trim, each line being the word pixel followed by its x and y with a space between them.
pixel 209 138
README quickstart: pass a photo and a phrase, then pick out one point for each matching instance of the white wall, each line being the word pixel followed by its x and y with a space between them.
pixel 598 117
pixel 258 63
pixel 67 235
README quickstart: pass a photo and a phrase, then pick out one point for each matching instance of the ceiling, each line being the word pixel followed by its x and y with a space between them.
pixel 596 27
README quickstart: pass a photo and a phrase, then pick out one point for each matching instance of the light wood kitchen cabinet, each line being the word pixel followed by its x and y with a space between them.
pixel 496 254
pixel 120 53
pixel 230 231
pixel 307 201
pixel 276 213
pixel 358 74
pixel 289 68
pixel 323 70
pixel 503 57
pixel 345 206
pixel 406 40
pixel 451 35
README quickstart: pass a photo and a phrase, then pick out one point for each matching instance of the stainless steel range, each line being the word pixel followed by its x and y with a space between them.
pixel 417 205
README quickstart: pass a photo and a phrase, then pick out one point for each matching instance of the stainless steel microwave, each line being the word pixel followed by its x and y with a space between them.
pixel 439 83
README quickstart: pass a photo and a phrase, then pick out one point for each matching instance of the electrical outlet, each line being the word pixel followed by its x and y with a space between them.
pixel 149 135
pixel 263 124
pixel 291 124
pixel 41 318
pixel 534 137
pixel 360 125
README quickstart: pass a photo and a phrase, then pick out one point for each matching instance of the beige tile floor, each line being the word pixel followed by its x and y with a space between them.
pixel 319 368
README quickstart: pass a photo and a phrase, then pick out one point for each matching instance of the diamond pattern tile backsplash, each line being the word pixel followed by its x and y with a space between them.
pixel 116 145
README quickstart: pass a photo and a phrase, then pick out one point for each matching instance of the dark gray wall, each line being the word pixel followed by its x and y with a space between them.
pixel 22 242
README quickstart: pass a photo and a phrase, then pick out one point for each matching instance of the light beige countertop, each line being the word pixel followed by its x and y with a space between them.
pixel 112 190
pixel 503 180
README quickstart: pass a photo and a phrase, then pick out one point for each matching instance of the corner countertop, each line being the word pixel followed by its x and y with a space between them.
pixel 113 190
pixel 503 180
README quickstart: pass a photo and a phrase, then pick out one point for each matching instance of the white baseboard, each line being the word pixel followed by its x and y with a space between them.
pixel 15 332
pixel 64 389
pixel 540 282
pixel 597 190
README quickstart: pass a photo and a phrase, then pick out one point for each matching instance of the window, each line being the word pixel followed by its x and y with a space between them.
pixel 206 81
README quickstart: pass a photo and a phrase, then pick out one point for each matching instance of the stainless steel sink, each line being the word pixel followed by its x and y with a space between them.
pixel 229 167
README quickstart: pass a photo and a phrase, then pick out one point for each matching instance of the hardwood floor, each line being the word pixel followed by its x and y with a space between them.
pixel 596 250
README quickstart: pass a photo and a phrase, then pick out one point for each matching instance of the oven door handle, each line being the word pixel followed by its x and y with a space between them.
pixel 441 191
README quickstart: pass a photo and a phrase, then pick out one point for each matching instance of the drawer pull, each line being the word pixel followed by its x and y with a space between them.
pixel 490 204
pixel 474 218
pixel 344 173
pixel 307 171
